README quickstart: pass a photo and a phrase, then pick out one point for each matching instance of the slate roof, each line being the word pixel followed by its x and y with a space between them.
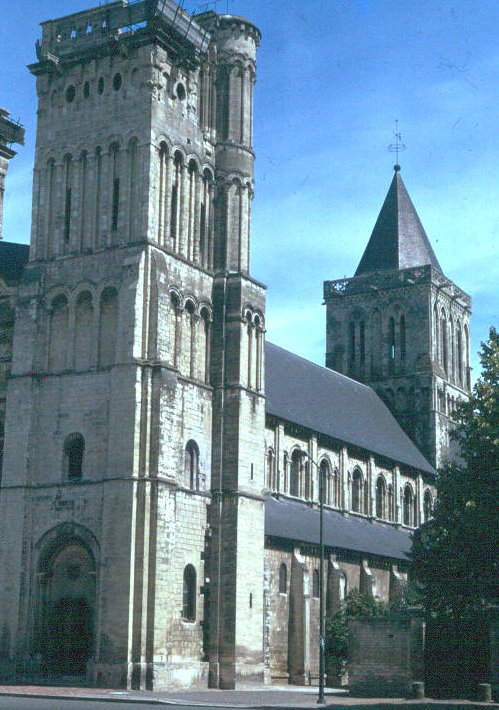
pixel 330 403
pixel 398 240
pixel 13 257
pixel 298 521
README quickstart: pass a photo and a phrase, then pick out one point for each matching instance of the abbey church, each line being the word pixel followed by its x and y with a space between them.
pixel 161 460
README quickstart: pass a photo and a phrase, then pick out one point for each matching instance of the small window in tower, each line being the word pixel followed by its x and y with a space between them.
pixel 180 90
pixel 70 94
pixel 67 215
pixel 86 90
pixel 189 594
pixel 117 82
pixel 73 33
pixel 116 203
pixel 100 85
pixel 74 449
pixel 283 579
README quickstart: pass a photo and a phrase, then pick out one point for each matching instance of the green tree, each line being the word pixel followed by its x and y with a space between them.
pixel 455 553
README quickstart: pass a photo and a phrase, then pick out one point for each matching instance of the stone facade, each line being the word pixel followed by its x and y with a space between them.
pixel 139 459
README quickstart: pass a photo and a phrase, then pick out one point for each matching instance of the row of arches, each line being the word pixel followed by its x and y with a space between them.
pixel 82 331
pixel 88 201
pixel 298 481
pixel 185 212
pixel 374 344
pixel 191 337
pixel 451 343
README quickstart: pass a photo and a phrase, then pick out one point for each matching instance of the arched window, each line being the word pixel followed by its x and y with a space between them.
pixel 408 505
pixel 175 200
pixel 74 449
pixel 443 340
pixel 325 481
pixel 357 491
pixel 366 497
pixel 115 191
pixel 189 594
pixel 283 578
pixel 315 584
pixel 467 357
pixel 380 497
pixel 204 346
pixel 294 473
pixel 191 465
pixel 427 505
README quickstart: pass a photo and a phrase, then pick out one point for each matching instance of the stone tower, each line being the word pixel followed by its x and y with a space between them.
pixel 131 498
pixel 402 326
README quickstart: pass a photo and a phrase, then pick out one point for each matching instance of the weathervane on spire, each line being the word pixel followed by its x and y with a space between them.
pixel 398 146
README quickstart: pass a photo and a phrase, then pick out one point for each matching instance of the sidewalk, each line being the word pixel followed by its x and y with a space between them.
pixel 282 697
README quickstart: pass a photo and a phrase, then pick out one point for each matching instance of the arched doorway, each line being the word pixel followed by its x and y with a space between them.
pixel 64 623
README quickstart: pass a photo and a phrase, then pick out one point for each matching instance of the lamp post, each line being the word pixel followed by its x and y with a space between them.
pixel 322 636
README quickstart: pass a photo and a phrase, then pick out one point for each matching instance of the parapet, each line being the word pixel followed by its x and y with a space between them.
pixel 93 32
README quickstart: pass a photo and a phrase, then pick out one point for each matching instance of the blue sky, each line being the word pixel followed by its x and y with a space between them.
pixel 333 75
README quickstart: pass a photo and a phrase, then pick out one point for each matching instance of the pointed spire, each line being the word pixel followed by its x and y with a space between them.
pixel 398 240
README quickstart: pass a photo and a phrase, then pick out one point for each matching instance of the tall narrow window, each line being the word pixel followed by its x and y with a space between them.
pixel 408 505
pixel 189 594
pixel 459 354
pixel 325 480
pixel 391 340
pixel 351 344
pixel 191 465
pixel 97 195
pixel 294 473
pixel 74 449
pixel 116 203
pixel 403 346
pixel 380 497
pixel 204 346
pixel 443 340
pixel 283 579
pixel 67 197
pixel 174 208
pixel 115 200
pixel 270 470
pixel 83 341
pixel 362 333
pixel 356 491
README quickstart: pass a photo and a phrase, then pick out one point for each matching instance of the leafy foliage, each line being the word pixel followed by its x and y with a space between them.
pixel 455 553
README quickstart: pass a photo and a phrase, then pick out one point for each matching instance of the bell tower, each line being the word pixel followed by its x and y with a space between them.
pixel 401 326
pixel 135 410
